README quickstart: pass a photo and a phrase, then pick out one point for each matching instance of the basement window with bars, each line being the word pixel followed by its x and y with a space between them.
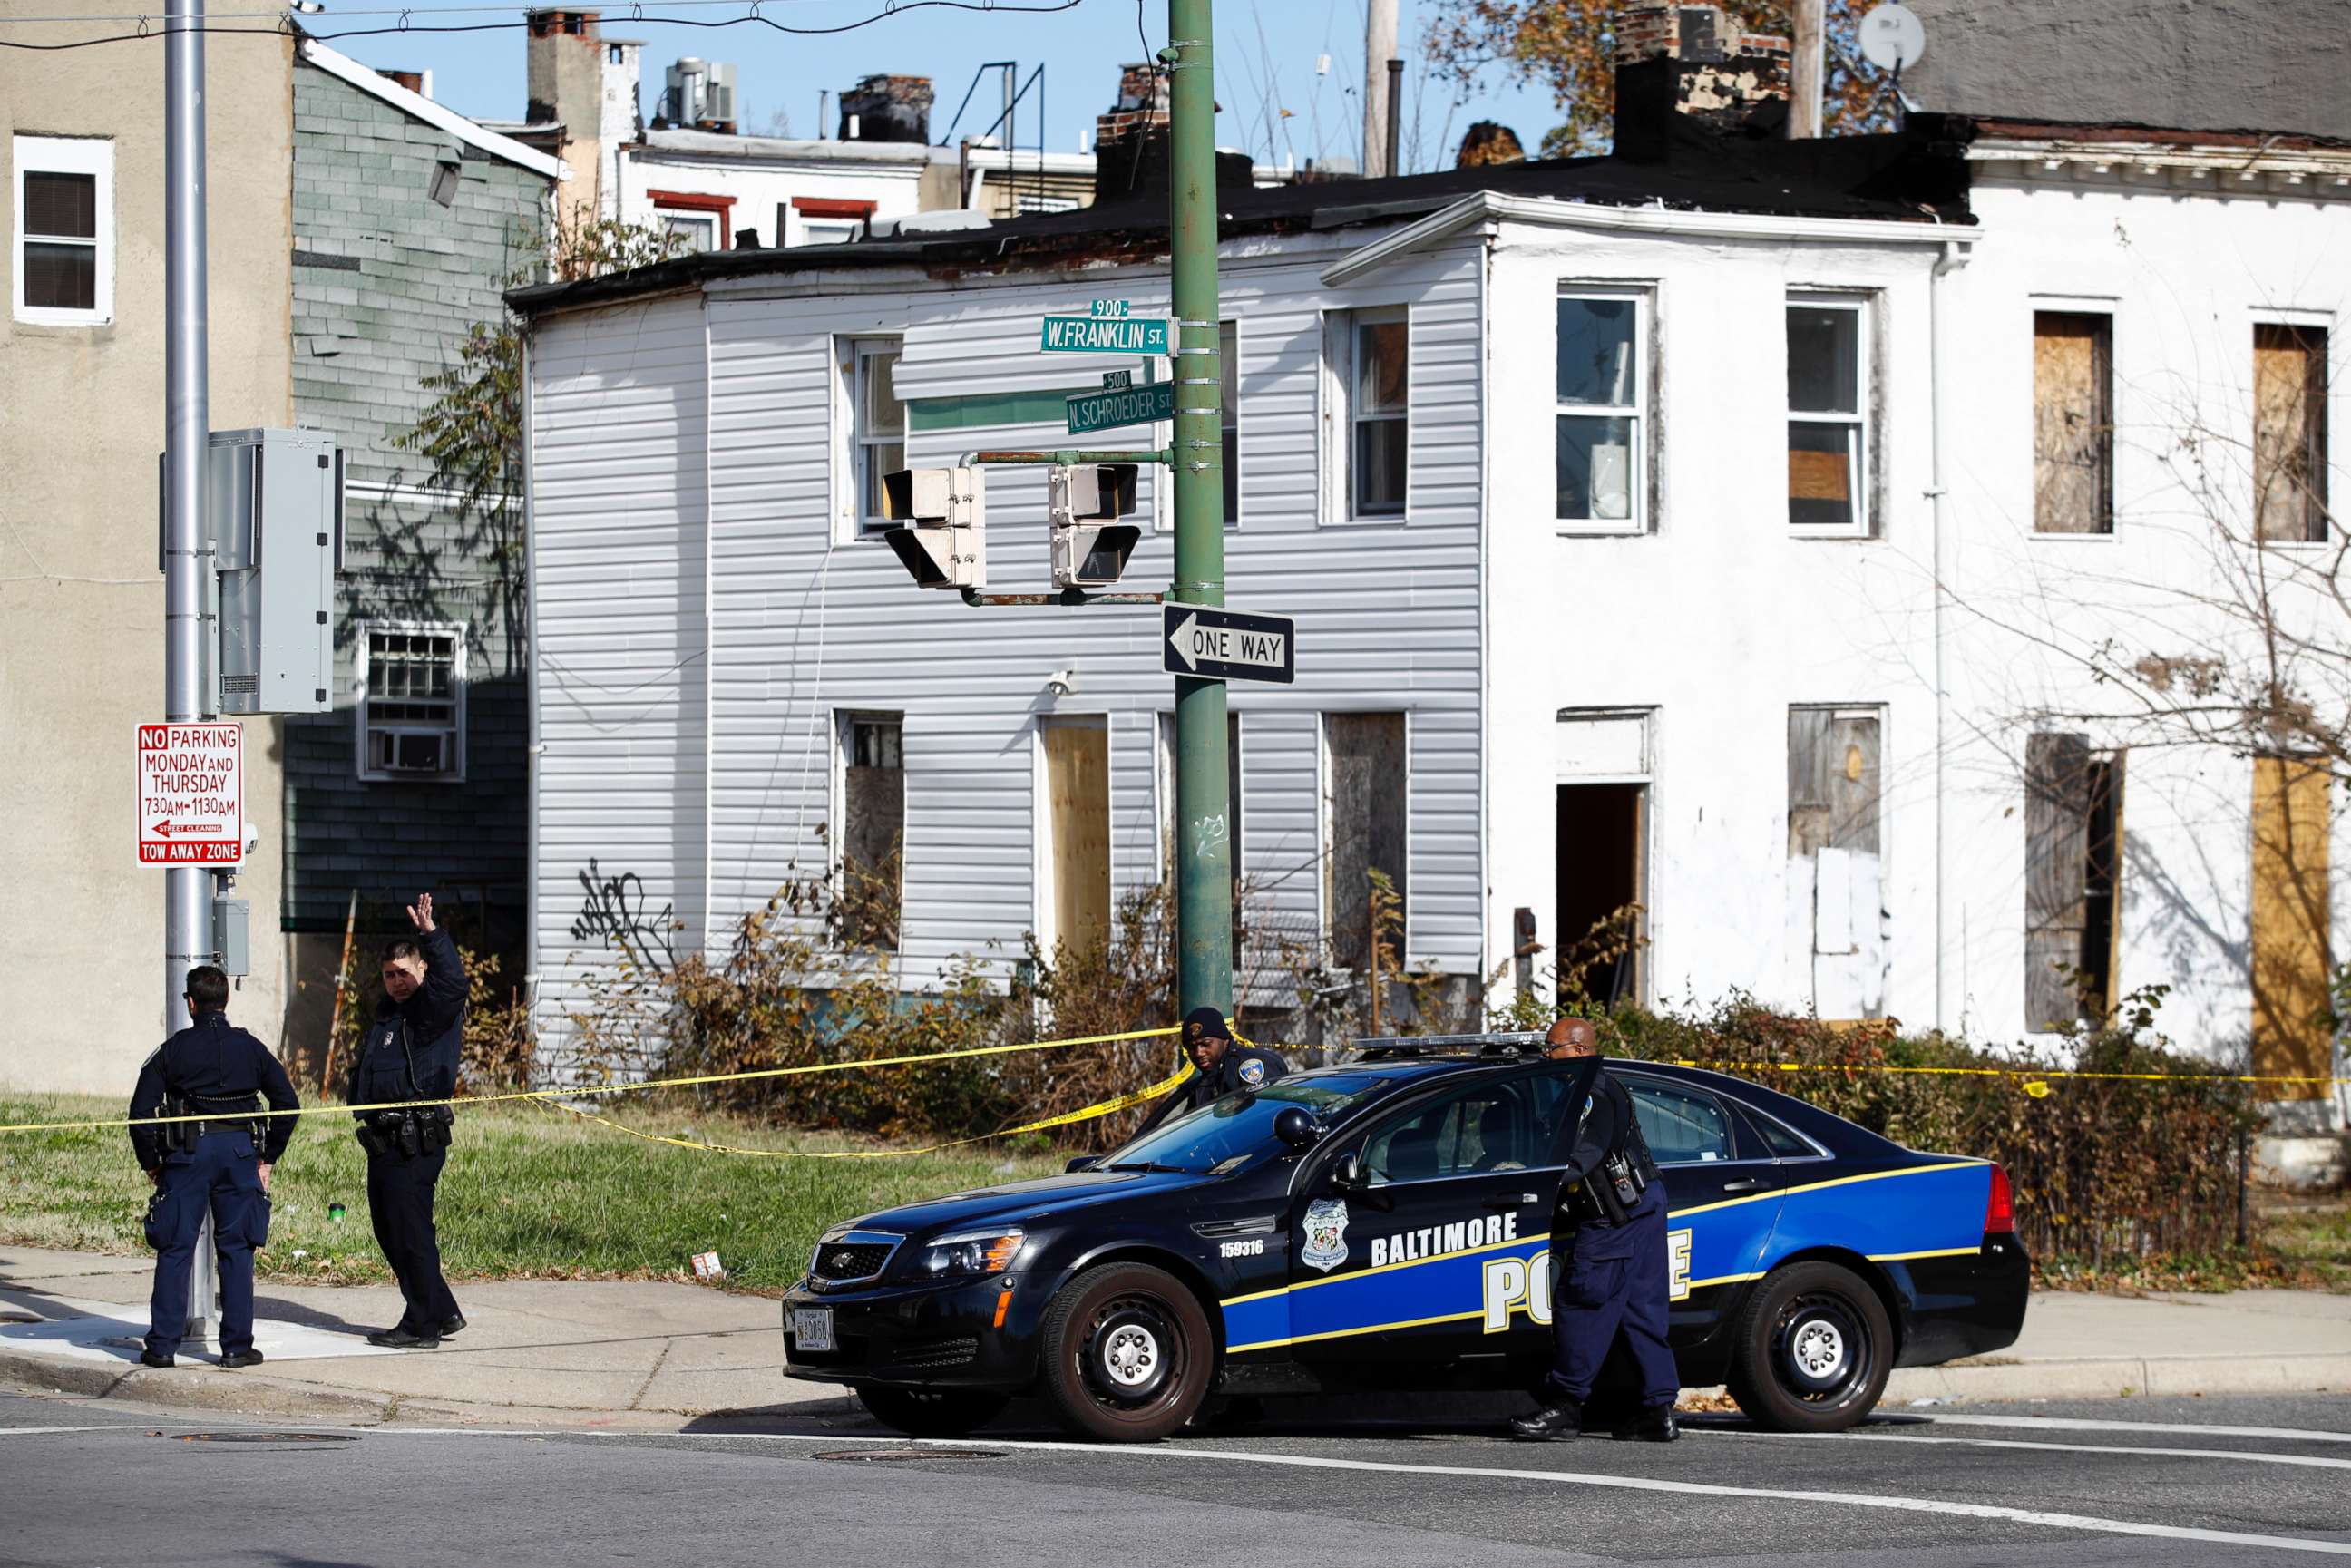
pixel 65 230
pixel 411 685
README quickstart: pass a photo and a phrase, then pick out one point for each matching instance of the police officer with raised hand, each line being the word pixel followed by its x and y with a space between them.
pixel 1608 1235
pixel 411 1052
pixel 1224 1067
pixel 216 1166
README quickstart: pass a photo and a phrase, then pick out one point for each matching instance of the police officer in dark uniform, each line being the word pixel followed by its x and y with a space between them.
pixel 411 1051
pixel 1224 1067
pixel 219 1168
pixel 1608 1235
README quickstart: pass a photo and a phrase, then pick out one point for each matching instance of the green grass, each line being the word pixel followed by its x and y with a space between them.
pixel 529 1192
pixel 2311 1237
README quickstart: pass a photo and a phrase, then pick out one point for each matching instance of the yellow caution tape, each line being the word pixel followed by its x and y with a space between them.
pixel 2026 1073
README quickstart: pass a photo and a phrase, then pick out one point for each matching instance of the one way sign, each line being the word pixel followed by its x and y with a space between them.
pixel 1225 645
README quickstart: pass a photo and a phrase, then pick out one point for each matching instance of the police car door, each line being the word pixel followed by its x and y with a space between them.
pixel 1722 1189
pixel 1414 1263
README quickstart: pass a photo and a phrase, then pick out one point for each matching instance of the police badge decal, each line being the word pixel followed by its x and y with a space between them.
pixel 1326 1234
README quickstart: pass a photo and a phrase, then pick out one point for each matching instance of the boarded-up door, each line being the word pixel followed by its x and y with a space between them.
pixel 1077 831
pixel 2291 950
pixel 2057 800
pixel 1837 924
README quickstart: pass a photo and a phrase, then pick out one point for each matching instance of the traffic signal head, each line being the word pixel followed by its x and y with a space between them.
pixel 1085 501
pixel 944 542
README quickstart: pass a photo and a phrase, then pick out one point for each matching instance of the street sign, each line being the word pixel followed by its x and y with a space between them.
pixel 1225 645
pixel 1105 335
pixel 191 795
pixel 1151 402
pixel 1115 381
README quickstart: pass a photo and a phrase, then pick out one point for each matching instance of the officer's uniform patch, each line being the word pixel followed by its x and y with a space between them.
pixel 1252 1072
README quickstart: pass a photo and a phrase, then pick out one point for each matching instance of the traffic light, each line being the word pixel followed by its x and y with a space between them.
pixel 946 545
pixel 1085 500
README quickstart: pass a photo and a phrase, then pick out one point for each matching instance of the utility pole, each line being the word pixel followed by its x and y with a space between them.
pixel 1806 70
pixel 188 623
pixel 1379 49
pixel 1204 853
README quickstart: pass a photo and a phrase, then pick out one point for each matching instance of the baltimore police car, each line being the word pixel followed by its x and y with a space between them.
pixel 1385 1225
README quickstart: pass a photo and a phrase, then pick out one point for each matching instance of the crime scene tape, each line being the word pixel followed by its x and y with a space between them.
pixel 2029 1076
pixel 551 1096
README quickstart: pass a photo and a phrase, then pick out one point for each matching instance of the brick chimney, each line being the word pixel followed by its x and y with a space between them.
pixel 887 108
pixel 1695 64
pixel 1142 108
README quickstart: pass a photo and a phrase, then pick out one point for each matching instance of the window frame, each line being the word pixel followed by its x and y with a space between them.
pixel 1637 409
pixel 845 721
pixel 1735 1151
pixel 1327 836
pixel 855 350
pixel 90 155
pixel 2107 312
pixel 1864 305
pixel 718 210
pixel 2320 412
pixel 1340 419
pixel 1521 1086
pixel 361 651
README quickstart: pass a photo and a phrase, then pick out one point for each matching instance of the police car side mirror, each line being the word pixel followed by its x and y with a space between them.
pixel 1082 1162
pixel 1347 1173
pixel 1295 1126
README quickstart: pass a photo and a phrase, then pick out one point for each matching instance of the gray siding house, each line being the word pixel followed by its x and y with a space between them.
pixel 408 220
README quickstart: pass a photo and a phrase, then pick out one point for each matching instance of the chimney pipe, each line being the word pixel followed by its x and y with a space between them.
pixel 1395 114
pixel 1807 70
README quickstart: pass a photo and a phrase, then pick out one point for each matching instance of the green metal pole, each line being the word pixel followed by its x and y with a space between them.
pixel 1203 848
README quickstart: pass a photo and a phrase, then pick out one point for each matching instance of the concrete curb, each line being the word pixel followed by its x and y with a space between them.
pixel 191 1385
pixel 2106 1377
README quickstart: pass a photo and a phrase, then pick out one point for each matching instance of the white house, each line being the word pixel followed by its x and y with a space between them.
pixel 1728 528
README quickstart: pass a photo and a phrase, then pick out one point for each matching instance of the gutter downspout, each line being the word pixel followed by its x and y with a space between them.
pixel 536 747
pixel 1956 254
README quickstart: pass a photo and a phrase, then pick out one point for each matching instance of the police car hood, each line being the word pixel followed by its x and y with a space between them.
pixel 1023 1201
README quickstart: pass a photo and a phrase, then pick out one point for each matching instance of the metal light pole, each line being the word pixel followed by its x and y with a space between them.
pixel 1204 851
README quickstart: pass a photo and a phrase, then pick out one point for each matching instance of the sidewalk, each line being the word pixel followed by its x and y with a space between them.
pixel 618 1354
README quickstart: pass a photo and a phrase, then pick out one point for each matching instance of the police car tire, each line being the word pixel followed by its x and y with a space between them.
pixel 1102 1301
pixel 933 1412
pixel 1764 1380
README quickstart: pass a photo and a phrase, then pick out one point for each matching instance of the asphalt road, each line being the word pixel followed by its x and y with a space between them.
pixel 2117 1482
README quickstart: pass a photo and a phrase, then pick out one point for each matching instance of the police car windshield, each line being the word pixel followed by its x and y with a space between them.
pixel 1228 1135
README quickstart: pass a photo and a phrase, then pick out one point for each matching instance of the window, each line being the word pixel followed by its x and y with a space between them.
pixel 1229 355
pixel 827 231
pixel 706 221
pixel 879 419
pixel 823 220
pixel 1828 439
pixel 1838 933
pixel 872 828
pixel 1370 352
pixel 700 229
pixel 2072 866
pixel 2073 423
pixel 1601 389
pixel 1681 1126
pixel 1363 830
pixel 2290 433
pixel 1832 779
pixel 1488 1127
pixel 65 230
pixel 410 681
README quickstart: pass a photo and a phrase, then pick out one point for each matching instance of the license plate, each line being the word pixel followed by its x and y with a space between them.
pixel 812 1329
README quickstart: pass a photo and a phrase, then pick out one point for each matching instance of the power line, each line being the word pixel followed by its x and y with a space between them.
pixel 753 16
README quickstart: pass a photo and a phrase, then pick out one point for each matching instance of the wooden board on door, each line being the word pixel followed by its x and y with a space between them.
pixel 2292 819
pixel 1077 800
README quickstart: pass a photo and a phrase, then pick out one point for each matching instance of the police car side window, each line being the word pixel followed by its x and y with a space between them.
pixel 1487 1127
pixel 1682 1126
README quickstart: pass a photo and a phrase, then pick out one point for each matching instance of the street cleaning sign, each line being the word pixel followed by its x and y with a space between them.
pixel 191 794
pixel 1227 645
pixel 1146 404
pixel 1111 329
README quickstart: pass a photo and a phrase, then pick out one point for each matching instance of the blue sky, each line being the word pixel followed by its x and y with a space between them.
pixel 1267 54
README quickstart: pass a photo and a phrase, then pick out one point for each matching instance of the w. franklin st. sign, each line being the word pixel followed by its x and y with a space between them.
pixel 1227 645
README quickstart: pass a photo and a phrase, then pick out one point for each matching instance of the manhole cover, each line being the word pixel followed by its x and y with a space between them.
pixel 885 1456
pixel 275 1440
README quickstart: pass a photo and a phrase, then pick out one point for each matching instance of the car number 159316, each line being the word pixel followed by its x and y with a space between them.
pixel 1253 1248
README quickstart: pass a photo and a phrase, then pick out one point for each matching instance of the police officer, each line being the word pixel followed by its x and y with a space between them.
pixel 1609 1238
pixel 1224 1067
pixel 411 1052
pixel 222 1167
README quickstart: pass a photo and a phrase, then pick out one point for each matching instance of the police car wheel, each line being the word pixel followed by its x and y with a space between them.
pixel 1813 1348
pixel 1128 1353
pixel 933 1412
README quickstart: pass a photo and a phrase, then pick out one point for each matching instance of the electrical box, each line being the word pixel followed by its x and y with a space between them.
pixel 275 505
pixel 233 934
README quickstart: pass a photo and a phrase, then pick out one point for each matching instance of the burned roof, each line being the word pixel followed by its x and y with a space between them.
pixel 1915 175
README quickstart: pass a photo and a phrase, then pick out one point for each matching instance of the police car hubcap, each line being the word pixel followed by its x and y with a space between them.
pixel 1819 1349
pixel 1131 1356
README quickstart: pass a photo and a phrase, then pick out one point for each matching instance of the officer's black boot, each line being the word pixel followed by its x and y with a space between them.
pixel 1560 1419
pixel 1650 1424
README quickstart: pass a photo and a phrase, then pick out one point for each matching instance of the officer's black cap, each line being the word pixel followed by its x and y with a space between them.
pixel 1205 1023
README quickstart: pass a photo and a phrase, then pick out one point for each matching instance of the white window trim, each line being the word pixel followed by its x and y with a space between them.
pixel 2336 468
pixel 1863 305
pixel 1643 300
pixel 850 354
pixel 836 808
pixel 1338 396
pixel 92 155
pixel 1326 840
pixel 2109 306
pixel 457 684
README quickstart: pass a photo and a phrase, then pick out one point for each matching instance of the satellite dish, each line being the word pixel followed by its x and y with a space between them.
pixel 1893 39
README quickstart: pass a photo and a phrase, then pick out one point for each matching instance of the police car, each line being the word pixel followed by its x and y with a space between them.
pixel 1385 1225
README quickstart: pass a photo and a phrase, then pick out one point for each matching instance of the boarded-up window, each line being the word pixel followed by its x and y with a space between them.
pixel 1828 431
pixel 1370 784
pixel 873 828
pixel 1832 779
pixel 1837 923
pixel 2290 433
pixel 2293 955
pixel 1077 832
pixel 2073 864
pixel 2073 423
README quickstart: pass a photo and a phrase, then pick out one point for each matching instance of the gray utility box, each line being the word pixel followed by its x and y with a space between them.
pixel 275 504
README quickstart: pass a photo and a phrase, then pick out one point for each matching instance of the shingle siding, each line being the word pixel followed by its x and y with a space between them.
pixel 387 282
